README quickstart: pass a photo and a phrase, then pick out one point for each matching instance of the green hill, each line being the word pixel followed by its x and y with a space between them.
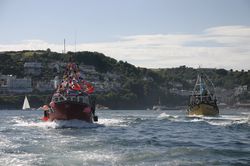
pixel 140 88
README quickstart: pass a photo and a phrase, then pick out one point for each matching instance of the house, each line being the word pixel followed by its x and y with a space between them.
pixel 32 68
pixel 240 90
pixel 176 85
pixel 11 84
pixel 44 86
pixel 87 69
pixel 54 66
pixel 181 92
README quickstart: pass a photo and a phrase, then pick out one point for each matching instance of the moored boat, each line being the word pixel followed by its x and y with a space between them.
pixel 203 100
pixel 72 99
pixel 159 107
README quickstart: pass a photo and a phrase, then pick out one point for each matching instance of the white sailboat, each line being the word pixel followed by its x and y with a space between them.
pixel 26 105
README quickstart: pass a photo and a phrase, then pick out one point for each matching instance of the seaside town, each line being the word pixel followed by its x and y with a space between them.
pixel 103 82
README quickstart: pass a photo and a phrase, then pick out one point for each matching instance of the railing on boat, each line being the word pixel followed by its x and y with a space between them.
pixel 78 99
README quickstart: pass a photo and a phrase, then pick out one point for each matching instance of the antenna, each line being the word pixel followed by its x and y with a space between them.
pixel 64 47
pixel 75 41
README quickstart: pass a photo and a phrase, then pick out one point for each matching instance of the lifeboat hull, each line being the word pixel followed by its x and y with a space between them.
pixel 68 110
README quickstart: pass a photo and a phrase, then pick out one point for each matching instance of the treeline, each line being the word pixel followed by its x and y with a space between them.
pixel 141 87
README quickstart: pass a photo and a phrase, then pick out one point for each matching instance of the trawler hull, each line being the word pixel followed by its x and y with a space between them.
pixel 68 110
pixel 204 109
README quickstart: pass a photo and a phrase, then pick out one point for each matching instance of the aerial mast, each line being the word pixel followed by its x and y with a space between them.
pixel 64 47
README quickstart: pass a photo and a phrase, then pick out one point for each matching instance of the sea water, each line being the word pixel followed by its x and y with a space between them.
pixel 126 137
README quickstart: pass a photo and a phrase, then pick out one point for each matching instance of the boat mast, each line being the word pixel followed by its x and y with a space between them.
pixel 195 90
pixel 213 88
pixel 200 89
pixel 75 42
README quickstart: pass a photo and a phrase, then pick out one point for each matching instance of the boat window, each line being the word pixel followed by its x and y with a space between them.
pixel 86 99
pixel 80 99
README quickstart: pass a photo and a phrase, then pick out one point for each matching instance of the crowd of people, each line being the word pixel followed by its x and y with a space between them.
pixel 73 83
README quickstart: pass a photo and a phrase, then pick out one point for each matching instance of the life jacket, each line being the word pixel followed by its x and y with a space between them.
pixel 90 89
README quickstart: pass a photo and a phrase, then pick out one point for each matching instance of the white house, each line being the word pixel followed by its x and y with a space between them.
pixel 9 83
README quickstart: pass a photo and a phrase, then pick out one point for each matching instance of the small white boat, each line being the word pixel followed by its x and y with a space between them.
pixel 26 105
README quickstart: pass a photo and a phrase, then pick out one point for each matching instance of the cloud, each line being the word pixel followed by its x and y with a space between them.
pixel 217 47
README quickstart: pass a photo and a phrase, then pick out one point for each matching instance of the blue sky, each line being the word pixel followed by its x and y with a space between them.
pixel 170 33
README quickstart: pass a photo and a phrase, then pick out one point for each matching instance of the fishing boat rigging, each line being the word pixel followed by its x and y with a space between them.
pixel 203 99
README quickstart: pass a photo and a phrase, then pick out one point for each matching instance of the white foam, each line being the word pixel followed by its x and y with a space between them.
pixel 226 120
pixel 18 121
pixel 196 120
pixel 166 116
pixel 58 124
pixel 227 123
pixel 219 123
pixel 195 116
pixel 112 122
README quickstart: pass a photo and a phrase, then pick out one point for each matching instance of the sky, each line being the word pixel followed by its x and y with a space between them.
pixel 145 33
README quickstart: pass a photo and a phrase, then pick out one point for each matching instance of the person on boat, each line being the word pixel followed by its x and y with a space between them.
pixel 197 99
pixel 46 112
pixel 215 100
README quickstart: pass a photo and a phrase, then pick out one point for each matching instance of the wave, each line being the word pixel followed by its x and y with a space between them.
pixel 228 123
pixel 163 116
pixel 222 120
pixel 112 122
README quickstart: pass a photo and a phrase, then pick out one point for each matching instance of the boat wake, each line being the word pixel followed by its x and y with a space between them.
pixel 222 120
pixel 57 124
pixel 228 121
pixel 163 116
pixel 225 120
pixel 112 122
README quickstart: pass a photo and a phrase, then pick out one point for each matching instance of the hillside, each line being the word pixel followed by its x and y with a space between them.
pixel 132 87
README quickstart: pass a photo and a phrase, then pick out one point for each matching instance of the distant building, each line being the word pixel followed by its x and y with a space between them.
pixel 3 80
pixel 87 69
pixel 180 92
pixel 44 86
pixel 32 68
pixel 240 90
pixel 11 84
pixel 56 82
pixel 55 67
pixel 176 85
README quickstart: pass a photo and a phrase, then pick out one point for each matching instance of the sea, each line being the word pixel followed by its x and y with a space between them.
pixel 126 137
